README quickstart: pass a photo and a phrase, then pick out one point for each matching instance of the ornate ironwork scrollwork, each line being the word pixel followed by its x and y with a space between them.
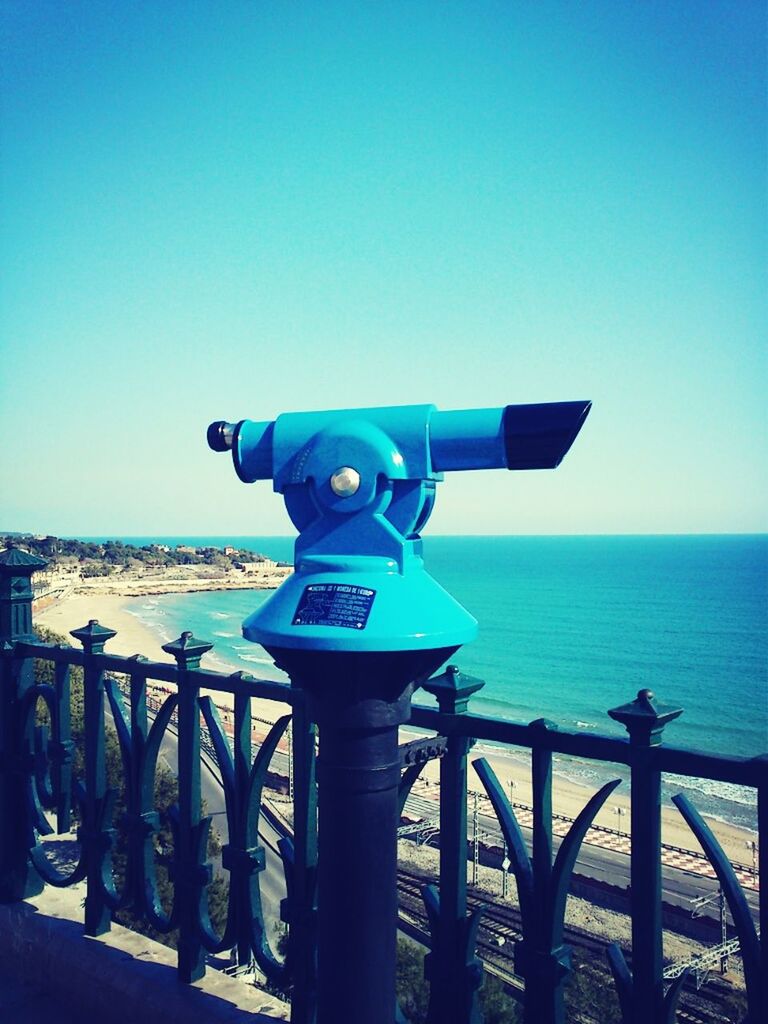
pixel 243 856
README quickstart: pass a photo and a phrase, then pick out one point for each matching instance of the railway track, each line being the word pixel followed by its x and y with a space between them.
pixel 500 928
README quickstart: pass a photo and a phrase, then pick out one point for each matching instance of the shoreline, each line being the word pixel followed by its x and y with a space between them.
pixel 155 582
pixel 513 769
pixel 135 637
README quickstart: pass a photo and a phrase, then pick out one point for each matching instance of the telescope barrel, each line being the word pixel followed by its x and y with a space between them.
pixel 251 445
pixel 252 449
pixel 513 437
pixel 509 437
pixel 467 439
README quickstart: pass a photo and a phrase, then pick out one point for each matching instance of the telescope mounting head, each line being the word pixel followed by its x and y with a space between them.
pixel 359 486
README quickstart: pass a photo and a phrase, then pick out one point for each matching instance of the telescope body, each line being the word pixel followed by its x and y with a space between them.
pixel 430 442
pixel 359 486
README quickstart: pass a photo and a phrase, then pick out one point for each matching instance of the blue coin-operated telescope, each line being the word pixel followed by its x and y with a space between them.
pixel 357 627
pixel 359 486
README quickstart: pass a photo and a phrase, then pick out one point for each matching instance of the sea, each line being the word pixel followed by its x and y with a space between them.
pixel 568 628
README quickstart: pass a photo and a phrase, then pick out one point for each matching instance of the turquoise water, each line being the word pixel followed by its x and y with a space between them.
pixel 572 626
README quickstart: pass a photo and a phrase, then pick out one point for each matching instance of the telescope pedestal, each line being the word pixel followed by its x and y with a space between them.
pixel 358 701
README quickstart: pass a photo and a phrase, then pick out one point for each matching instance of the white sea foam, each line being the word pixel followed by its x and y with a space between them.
pixel 253 657
pixel 219 615
pixel 218 664
pixel 710 787
pixel 218 632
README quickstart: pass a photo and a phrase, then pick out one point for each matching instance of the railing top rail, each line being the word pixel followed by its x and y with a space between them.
pixel 745 771
pixel 240 683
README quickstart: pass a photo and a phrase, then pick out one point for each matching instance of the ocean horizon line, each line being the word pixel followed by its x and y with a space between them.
pixel 442 536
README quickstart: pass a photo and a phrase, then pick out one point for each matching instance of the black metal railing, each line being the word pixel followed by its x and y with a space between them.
pixel 47 785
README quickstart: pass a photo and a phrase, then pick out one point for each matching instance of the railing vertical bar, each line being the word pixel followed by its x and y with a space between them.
pixel 453 970
pixel 475 838
pixel 647 952
pixel 543 991
pixel 96 831
pixel 190 872
pixel 140 799
pixel 243 746
pixel 645 722
pixel 62 731
pixel 541 775
pixel 18 878
pixel 191 961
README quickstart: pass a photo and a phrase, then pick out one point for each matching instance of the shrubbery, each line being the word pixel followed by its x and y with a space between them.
pixel 166 794
pixel 97 558
pixel 498 1007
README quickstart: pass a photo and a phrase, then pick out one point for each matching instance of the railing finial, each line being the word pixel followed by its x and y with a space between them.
pixel 187 650
pixel 93 637
pixel 643 719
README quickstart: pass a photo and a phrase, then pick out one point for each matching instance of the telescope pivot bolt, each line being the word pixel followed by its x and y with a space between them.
pixel 345 482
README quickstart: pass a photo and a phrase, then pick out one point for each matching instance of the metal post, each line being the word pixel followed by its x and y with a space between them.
pixel 18 879
pixel 645 722
pixel 475 840
pixel 504 874
pixel 191 873
pixel 143 820
pixel 96 830
pixel 358 701
pixel 453 970
pixel 242 737
pixel 358 773
pixel 544 964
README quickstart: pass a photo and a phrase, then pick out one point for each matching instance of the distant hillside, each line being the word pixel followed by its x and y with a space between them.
pixel 102 558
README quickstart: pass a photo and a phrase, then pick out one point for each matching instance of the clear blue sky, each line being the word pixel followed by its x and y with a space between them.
pixel 227 210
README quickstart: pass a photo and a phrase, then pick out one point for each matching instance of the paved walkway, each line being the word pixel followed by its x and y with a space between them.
pixel 23 1003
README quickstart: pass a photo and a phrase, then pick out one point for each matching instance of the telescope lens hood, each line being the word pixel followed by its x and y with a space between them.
pixel 539 436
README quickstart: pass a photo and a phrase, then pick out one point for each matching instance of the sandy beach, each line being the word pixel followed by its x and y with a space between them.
pixel 133 637
pixel 569 796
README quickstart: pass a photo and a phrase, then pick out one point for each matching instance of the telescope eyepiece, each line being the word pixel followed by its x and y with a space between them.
pixel 220 435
